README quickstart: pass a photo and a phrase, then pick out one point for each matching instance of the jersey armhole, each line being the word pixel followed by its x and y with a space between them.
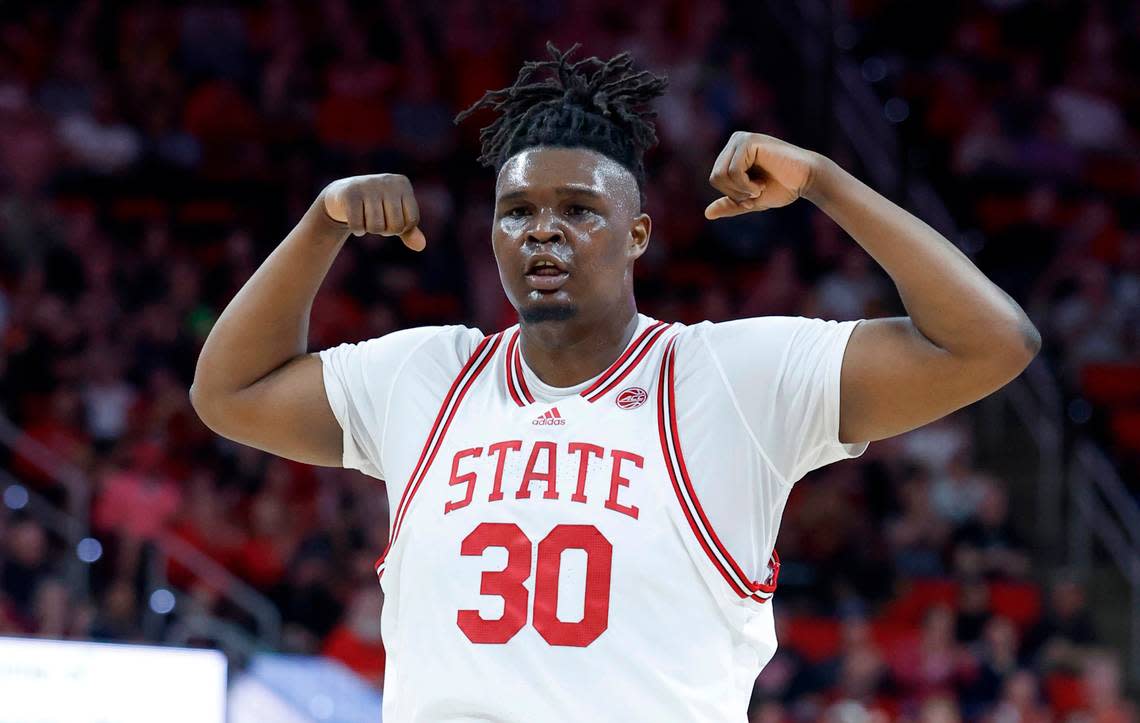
pixel 740 412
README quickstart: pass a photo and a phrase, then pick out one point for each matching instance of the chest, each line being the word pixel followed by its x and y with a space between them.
pixel 567 460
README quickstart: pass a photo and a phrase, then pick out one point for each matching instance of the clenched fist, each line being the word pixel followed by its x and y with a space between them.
pixel 381 203
pixel 756 172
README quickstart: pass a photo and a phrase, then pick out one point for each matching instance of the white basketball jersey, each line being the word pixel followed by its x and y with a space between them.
pixel 549 562
pixel 549 556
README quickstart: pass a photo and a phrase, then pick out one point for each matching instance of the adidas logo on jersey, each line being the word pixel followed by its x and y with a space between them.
pixel 551 418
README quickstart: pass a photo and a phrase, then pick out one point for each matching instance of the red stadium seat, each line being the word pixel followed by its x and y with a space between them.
pixel 894 637
pixel 207 212
pixel 921 595
pixel 816 639
pixel 1112 385
pixel 1018 601
pixel 1066 693
pixel 1126 429
pixel 139 209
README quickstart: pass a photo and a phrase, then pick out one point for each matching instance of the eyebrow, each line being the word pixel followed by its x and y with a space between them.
pixel 571 190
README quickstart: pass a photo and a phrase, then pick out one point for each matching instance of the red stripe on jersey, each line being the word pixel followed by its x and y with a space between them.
pixel 752 584
pixel 516 383
pixel 641 355
pixel 508 366
pixel 662 379
pixel 613 368
pixel 434 441
pixel 519 374
pixel 678 474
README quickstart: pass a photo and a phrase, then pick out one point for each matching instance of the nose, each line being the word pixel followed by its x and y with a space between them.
pixel 544 230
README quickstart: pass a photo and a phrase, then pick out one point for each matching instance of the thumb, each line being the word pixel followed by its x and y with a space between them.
pixel 414 239
pixel 724 207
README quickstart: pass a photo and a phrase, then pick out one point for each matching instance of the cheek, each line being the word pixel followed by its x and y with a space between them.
pixel 509 226
pixel 502 243
pixel 608 259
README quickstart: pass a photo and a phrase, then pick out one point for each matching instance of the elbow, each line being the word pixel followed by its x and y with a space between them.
pixel 205 406
pixel 1021 344
pixel 1032 340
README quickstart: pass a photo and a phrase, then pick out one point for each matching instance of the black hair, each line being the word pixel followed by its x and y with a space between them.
pixel 589 103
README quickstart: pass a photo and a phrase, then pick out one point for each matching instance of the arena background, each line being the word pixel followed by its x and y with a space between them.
pixel 985 567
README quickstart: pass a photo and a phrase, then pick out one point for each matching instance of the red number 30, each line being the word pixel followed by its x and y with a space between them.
pixel 508 584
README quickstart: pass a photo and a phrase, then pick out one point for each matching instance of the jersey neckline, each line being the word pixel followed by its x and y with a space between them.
pixel 525 387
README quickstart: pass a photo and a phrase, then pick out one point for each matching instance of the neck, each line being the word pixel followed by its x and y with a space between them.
pixel 565 353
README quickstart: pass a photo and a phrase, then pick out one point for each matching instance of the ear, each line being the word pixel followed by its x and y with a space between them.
pixel 639 235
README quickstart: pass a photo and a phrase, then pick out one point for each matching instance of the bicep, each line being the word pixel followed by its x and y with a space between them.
pixel 894 380
pixel 286 413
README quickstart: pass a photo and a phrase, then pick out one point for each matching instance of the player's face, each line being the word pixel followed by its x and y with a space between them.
pixel 568 226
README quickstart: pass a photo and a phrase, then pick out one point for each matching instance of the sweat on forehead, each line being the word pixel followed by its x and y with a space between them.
pixel 544 167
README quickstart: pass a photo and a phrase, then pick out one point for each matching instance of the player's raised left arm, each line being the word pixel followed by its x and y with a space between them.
pixel 964 337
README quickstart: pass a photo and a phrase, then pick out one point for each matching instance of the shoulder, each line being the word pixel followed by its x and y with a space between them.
pixel 760 339
pixel 762 356
pixel 444 341
pixel 748 329
pixel 746 335
pixel 432 350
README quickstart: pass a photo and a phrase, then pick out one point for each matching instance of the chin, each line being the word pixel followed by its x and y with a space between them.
pixel 552 311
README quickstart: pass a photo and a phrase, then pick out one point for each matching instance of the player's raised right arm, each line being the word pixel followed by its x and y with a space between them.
pixel 255 381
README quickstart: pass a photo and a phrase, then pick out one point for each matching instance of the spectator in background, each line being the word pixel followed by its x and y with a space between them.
pixel 24 566
pixel 57 614
pixel 1020 701
pixel 99 140
pixel 973 609
pixel 135 503
pixel 58 432
pixel 1106 702
pixel 997 653
pixel 356 640
pixel 786 676
pixel 987 544
pixel 853 291
pixel 917 535
pixel 308 607
pixel 1065 630
pixel 934 665
pixel 107 397
pixel 265 553
pixel 858 673
pixel 1090 322
pixel 117 619
pixel 939 709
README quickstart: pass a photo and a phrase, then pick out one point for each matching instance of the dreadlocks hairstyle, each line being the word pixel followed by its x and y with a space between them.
pixel 589 103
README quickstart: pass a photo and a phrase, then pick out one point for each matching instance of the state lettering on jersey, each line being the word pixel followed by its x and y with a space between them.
pixel 551 468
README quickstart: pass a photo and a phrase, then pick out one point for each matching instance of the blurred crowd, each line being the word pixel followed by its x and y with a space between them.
pixel 1026 113
pixel 152 153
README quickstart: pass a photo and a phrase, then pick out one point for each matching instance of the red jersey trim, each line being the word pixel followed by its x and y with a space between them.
pixel 475 365
pixel 516 382
pixel 687 498
pixel 625 363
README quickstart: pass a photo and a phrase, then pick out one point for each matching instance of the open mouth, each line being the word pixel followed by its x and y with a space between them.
pixel 546 274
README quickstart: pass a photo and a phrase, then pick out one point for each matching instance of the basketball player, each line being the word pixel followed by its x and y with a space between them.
pixel 584 506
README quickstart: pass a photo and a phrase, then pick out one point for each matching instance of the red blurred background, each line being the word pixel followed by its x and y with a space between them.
pixel 986 567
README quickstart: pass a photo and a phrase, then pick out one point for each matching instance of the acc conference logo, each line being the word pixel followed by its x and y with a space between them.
pixel 632 398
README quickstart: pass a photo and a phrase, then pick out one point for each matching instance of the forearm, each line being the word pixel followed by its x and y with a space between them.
pixel 949 300
pixel 266 324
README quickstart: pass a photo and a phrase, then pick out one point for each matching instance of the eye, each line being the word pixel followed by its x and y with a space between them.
pixel 516 211
pixel 578 210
